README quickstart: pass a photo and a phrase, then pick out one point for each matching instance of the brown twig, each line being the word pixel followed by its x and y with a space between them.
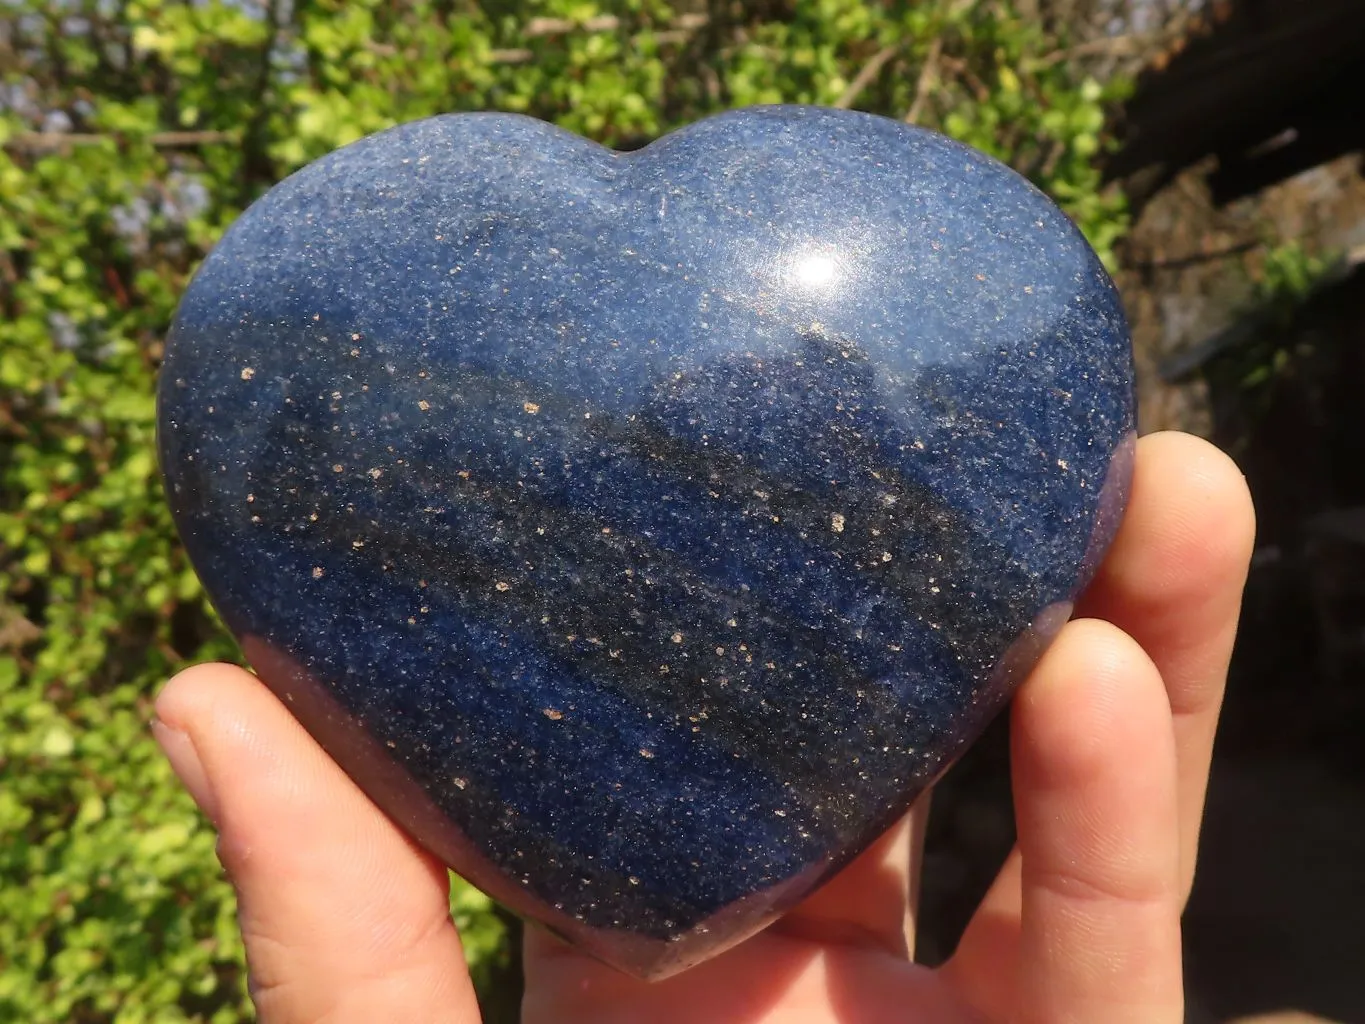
pixel 519 55
pixel 1054 156
pixel 676 31
pixel 928 75
pixel 538 27
pixel 867 74
pixel 1196 258
pixel 1144 46
pixel 16 631
pixel 1105 46
pixel 256 165
pixel 50 142
pixel 563 26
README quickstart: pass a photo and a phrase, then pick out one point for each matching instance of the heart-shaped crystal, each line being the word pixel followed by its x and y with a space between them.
pixel 644 532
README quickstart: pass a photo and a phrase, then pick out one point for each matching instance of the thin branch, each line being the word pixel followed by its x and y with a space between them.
pixel 866 76
pixel 51 142
pixel 1176 31
pixel 1196 258
pixel 1126 45
pixel 520 55
pixel 563 26
pixel 256 164
pixel 538 27
pixel 16 631
pixel 928 76
pixel 676 31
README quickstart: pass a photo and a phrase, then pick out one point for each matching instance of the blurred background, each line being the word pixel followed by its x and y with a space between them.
pixel 1211 151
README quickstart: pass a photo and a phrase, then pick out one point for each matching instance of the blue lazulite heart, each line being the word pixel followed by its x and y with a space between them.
pixel 644 532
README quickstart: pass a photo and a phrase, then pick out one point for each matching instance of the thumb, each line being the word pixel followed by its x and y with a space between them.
pixel 344 919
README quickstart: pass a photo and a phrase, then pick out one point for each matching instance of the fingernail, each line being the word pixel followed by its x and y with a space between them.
pixel 179 750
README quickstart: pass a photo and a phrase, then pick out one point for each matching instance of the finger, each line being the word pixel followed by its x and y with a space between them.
pixel 847 945
pixel 868 906
pixel 1094 768
pixel 872 902
pixel 1173 581
pixel 343 918
pixel 773 978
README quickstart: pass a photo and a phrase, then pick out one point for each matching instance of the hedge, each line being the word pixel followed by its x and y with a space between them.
pixel 132 132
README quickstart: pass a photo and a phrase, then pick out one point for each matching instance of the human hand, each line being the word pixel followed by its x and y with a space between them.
pixel 345 919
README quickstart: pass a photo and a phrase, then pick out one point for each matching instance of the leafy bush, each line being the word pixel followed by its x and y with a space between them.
pixel 131 134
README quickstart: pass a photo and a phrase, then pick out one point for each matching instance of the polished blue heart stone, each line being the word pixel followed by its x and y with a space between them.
pixel 644 532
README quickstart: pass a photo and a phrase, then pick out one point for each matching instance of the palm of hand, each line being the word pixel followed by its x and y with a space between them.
pixel 345 920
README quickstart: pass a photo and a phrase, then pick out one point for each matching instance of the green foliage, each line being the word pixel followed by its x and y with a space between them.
pixel 1285 276
pixel 1289 272
pixel 131 134
pixel 484 937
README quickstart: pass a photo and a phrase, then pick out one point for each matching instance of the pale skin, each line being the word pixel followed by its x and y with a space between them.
pixel 345 920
